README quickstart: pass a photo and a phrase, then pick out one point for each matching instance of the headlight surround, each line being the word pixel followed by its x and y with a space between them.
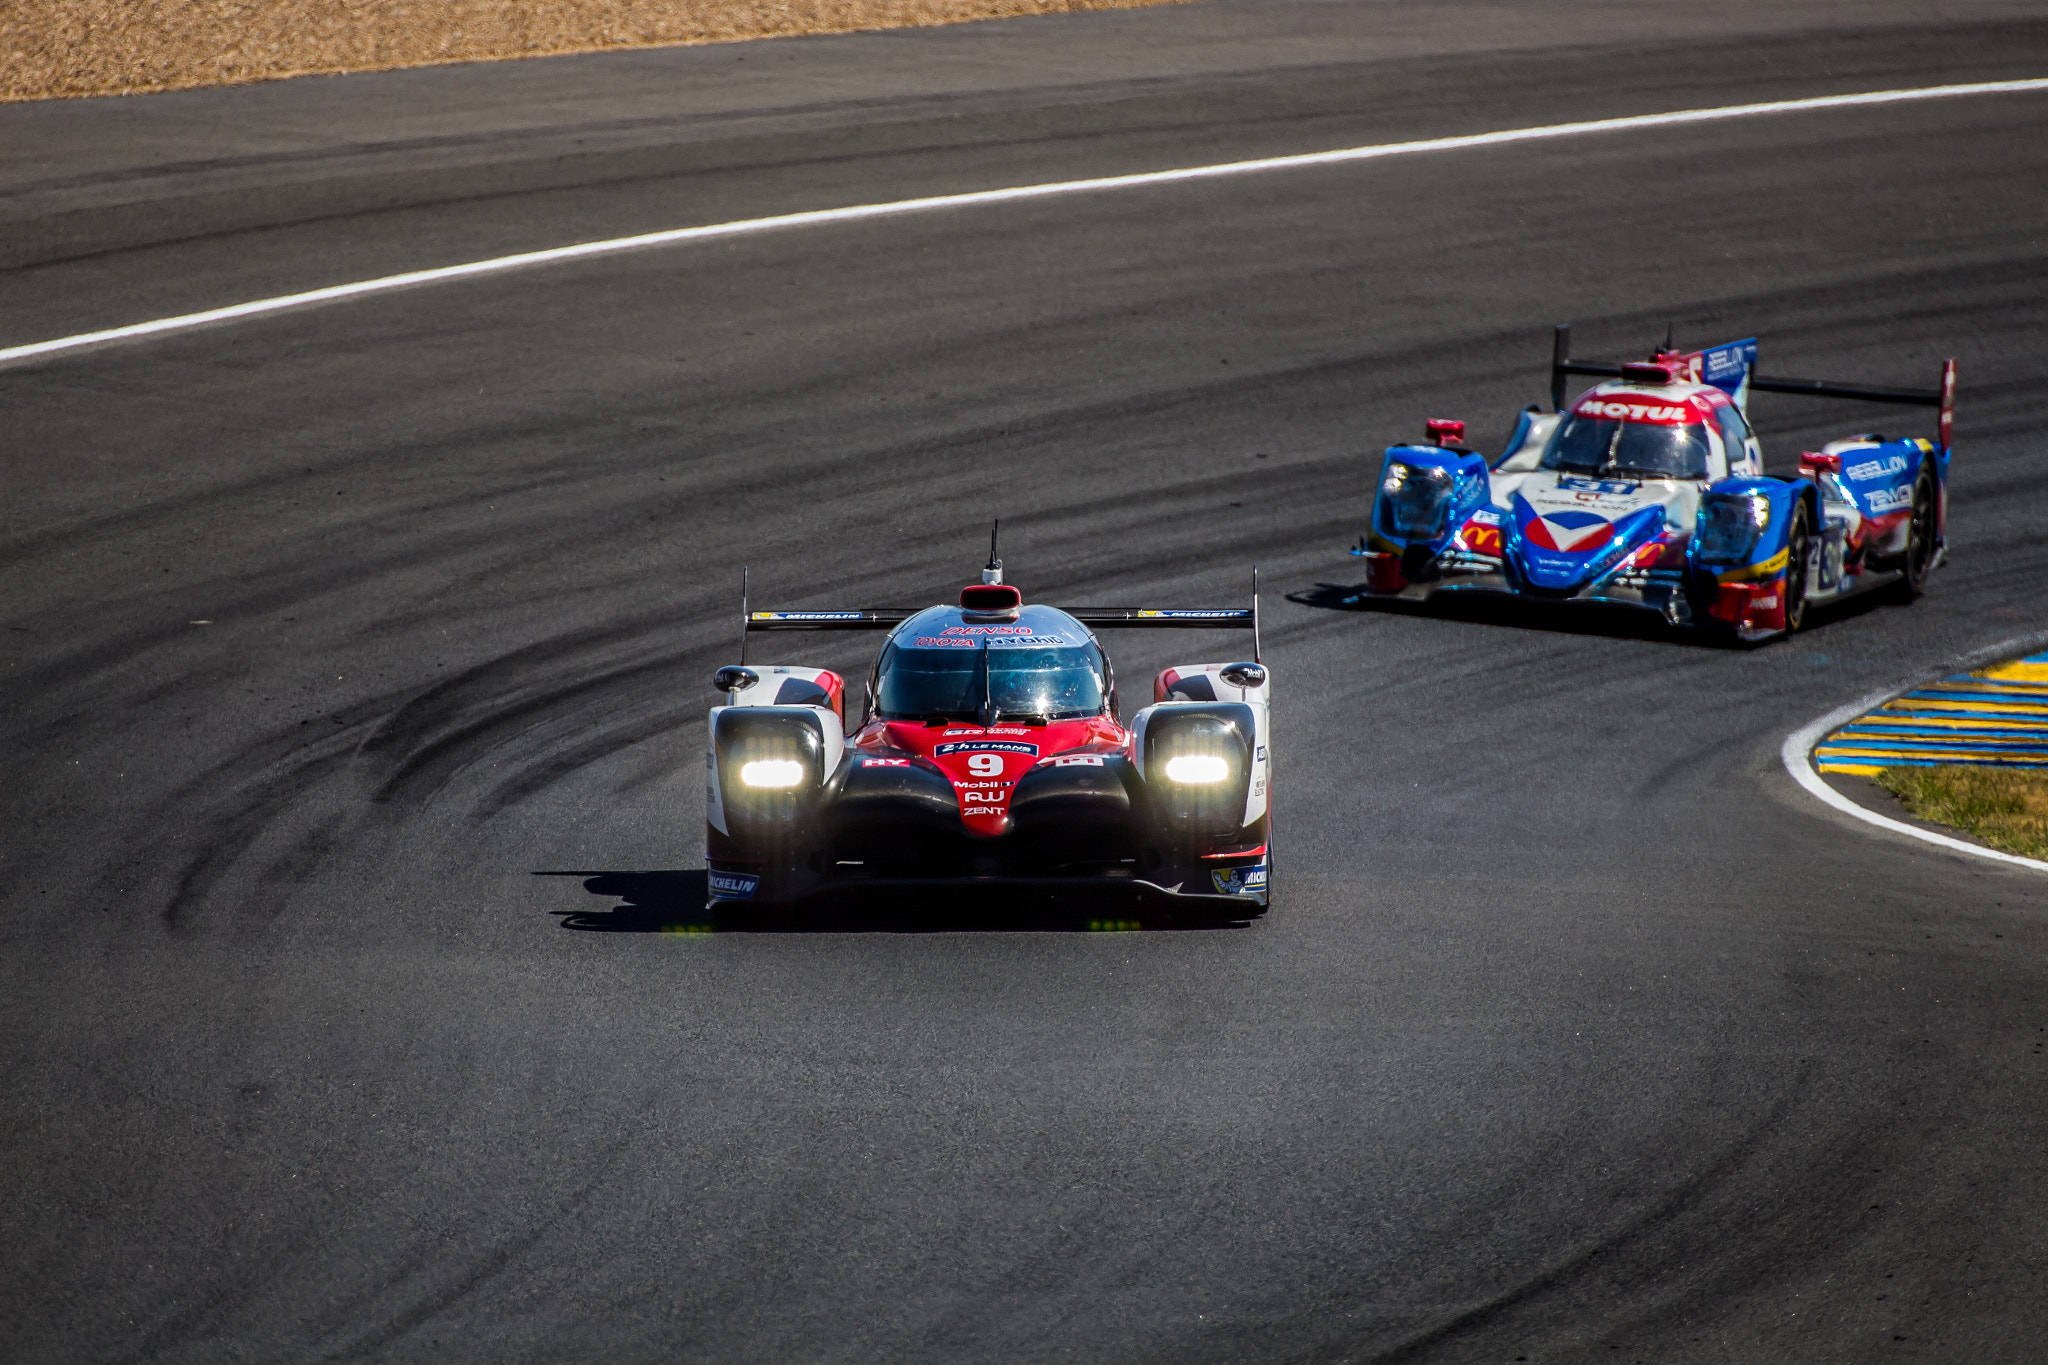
pixel 1730 525
pixel 1417 499
pixel 1197 763
pixel 772 773
pixel 1197 769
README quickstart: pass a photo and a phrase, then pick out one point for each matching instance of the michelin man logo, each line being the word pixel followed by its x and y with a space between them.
pixel 1238 881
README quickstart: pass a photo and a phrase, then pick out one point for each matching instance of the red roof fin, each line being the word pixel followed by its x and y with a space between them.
pixel 990 597
pixel 1648 372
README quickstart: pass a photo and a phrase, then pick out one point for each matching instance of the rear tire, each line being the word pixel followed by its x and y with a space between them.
pixel 1919 563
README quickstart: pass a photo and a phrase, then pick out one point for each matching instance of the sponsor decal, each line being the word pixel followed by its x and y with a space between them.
pixel 1723 362
pixel 982 810
pixel 1888 499
pixel 982 746
pixel 1613 488
pixel 1876 469
pixel 1574 532
pixel 1260 757
pixel 972 637
pixel 963 786
pixel 1728 367
pixel 1218 615
pixel 1765 603
pixel 1484 517
pixel 807 616
pixel 1077 761
pixel 733 886
pixel 885 763
pixel 1236 881
pixel 1664 413
pixel 981 796
pixel 1482 540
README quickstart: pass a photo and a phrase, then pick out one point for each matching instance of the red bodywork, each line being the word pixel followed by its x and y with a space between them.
pixel 983 764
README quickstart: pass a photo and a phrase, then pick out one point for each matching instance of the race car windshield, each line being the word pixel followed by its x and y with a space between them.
pixel 1055 683
pixel 1608 445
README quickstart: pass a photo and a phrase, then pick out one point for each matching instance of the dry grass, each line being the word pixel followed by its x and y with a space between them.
pixel 2004 807
pixel 64 48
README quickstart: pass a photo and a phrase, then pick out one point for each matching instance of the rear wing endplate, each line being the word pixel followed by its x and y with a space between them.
pixel 1943 398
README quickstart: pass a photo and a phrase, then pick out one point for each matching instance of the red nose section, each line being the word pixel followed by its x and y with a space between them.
pixel 984 768
pixel 984 764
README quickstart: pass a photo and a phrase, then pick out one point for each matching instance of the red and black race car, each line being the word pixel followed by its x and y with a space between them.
pixel 989 753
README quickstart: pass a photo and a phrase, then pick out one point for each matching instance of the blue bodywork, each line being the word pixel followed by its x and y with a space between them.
pixel 1446 518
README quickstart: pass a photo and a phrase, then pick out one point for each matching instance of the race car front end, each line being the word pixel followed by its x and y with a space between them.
pixel 990 759
pixel 1648 493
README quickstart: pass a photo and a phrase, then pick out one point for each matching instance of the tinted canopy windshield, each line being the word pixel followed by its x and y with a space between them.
pixel 1055 682
pixel 1608 445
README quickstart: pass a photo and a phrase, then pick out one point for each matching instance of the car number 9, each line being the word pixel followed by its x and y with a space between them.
pixel 985 765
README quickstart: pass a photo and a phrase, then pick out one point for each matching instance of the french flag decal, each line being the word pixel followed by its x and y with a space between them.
pixel 1571 532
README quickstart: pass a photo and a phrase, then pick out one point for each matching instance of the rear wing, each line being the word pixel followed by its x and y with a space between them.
pixel 1732 368
pixel 1096 618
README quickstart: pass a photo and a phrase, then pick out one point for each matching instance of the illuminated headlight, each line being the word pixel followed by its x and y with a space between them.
pixel 772 772
pixel 1192 769
pixel 1730 526
pixel 1417 498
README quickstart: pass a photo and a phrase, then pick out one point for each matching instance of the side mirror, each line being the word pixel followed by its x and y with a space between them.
pixel 1244 675
pixel 734 678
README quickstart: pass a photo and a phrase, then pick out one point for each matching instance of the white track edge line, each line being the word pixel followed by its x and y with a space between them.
pixel 1797 751
pixel 414 278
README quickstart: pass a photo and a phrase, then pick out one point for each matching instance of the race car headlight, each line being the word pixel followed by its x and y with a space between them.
pixel 1193 769
pixel 772 772
pixel 1198 764
pixel 1730 525
pixel 1417 499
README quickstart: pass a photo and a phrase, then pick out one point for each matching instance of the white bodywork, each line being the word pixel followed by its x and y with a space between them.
pixel 1259 699
pixel 763 694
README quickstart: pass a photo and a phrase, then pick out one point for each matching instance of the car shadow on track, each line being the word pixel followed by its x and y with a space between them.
pixel 1567 618
pixel 673 903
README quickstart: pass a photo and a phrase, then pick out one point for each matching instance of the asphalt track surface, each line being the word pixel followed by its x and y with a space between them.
pixel 1577 1033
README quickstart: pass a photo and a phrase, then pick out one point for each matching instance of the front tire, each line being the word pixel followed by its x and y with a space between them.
pixel 1798 570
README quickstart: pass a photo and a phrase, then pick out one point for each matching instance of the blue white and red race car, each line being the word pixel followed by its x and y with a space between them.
pixel 1649 492
pixel 989 753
